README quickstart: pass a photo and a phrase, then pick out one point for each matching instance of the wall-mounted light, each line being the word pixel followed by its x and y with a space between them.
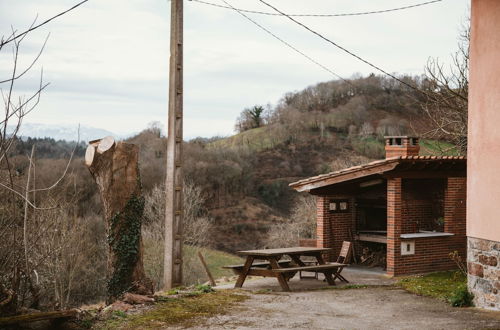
pixel 338 205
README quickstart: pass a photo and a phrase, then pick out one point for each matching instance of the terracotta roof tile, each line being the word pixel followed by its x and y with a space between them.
pixel 373 164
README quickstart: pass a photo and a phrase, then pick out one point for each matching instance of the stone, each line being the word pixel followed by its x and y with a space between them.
pixel 484 285
pixel 480 244
pixel 490 298
pixel 492 274
pixel 473 255
pixel 118 306
pixel 488 260
pixel 136 299
pixel 475 269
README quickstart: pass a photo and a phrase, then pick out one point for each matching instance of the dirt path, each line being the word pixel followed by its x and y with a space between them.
pixel 365 308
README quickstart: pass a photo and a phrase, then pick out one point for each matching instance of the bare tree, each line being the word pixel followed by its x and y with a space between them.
pixel 447 94
pixel 18 275
pixel 197 232
pixel 13 217
pixel 250 118
pixel 301 224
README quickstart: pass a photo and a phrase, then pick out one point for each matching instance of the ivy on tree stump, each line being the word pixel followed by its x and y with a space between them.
pixel 114 167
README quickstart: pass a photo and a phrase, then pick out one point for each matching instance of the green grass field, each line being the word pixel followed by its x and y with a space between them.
pixel 182 311
pixel 255 140
pixel 259 139
pixel 437 148
pixel 214 259
pixel 441 285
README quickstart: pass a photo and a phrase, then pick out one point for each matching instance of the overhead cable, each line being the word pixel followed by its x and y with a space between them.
pixel 343 49
pixel 286 43
pixel 319 15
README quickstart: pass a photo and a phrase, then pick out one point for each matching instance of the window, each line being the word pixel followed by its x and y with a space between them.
pixel 336 205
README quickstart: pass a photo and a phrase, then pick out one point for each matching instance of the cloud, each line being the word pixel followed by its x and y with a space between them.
pixel 108 60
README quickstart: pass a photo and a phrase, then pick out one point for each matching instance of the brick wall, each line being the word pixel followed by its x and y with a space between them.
pixel 405 209
pixel 484 272
pixel 455 208
pixel 394 225
pixel 333 228
pixel 324 237
pixel 422 204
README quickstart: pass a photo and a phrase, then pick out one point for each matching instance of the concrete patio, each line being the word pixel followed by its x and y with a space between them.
pixel 356 275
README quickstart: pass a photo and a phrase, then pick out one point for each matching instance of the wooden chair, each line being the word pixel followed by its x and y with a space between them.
pixel 343 260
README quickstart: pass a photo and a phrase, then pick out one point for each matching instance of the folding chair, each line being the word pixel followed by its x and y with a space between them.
pixel 343 260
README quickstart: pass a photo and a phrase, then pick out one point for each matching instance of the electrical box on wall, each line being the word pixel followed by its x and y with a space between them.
pixel 407 248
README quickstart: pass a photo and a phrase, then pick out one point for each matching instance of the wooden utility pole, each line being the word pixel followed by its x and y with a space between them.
pixel 174 181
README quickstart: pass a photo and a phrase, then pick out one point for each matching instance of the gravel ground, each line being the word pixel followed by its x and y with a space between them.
pixel 368 308
pixel 380 306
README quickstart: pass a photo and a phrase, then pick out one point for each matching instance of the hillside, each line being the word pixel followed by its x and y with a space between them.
pixel 244 178
pixel 236 191
pixel 323 128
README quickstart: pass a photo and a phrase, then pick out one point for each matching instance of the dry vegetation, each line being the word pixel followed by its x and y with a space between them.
pixel 237 193
pixel 52 235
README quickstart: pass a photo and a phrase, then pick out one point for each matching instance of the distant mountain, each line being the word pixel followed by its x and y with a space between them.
pixel 63 132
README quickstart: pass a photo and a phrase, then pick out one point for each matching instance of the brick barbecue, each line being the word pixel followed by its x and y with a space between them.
pixel 413 207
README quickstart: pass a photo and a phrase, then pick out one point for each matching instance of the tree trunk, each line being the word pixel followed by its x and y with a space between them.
pixel 115 169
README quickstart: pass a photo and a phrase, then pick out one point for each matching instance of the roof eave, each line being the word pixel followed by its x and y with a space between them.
pixel 347 176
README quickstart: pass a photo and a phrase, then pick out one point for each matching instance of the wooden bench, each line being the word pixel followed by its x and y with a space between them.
pixel 314 268
pixel 237 269
pixel 327 269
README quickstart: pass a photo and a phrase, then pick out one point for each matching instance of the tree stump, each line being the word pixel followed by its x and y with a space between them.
pixel 115 169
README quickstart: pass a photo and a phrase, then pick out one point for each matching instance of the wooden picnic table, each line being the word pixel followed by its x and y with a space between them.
pixel 282 270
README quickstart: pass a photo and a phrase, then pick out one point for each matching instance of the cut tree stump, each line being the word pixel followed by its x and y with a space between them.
pixel 114 167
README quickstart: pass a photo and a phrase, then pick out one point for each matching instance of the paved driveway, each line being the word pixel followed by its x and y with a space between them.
pixel 369 308
pixel 380 307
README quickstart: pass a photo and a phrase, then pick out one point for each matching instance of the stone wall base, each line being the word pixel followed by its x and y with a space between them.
pixel 483 265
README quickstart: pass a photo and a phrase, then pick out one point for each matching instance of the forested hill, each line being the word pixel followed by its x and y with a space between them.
pixel 371 105
pixel 243 179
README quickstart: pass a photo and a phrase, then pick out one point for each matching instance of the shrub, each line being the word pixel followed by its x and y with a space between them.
pixel 301 224
pixel 461 297
pixel 204 288
pixel 274 193
pixel 369 147
pixel 197 229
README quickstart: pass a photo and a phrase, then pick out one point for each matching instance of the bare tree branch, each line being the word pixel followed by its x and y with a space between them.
pixel 31 64
pixel 446 105
pixel 14 37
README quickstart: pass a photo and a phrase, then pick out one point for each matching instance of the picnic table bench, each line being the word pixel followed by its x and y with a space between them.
pixel 283 270
pixel 237 269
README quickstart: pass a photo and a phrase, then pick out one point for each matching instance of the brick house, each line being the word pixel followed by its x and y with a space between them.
pixel 413 207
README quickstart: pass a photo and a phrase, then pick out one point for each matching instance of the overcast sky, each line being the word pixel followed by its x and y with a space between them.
pixel 107 61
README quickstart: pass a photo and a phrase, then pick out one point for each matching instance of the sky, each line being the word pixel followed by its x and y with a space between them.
pixel 107 61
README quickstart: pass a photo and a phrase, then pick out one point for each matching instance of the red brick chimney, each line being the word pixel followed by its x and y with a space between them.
pixel 396 146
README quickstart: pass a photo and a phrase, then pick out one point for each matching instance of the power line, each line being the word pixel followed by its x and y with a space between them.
pixel 343 49
pixel 319 15
pixel 286 43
